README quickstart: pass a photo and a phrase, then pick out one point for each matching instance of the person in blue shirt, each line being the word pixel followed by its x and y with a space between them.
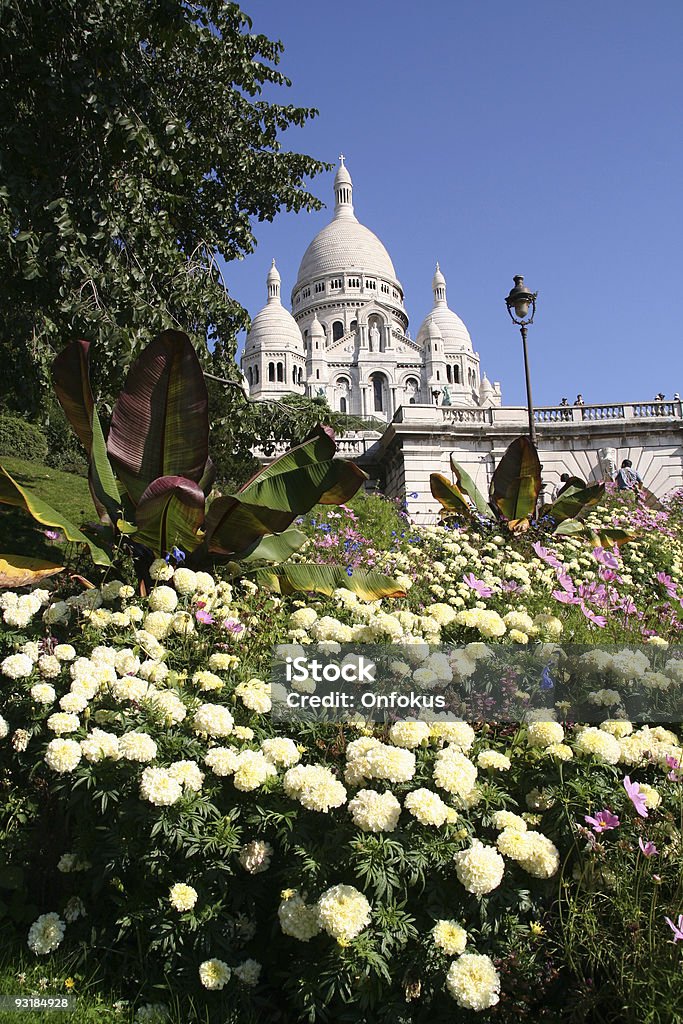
pixel 628 478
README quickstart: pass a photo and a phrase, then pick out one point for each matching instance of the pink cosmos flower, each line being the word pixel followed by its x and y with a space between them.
pixel 204 617
pixel 603 821
pixel 673 763
pixel 597 620
pixel 478 586
pixel 667 583
pixel 647 848
pixel 677 928
pixel 636 797
pixel 232 625
pixel 605 558
pixel 546 555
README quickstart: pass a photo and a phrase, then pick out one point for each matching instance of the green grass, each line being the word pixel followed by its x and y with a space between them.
pixel 27 976
pixel 64 491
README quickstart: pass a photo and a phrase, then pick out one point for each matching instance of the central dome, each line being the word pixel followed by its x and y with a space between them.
pixel 344 243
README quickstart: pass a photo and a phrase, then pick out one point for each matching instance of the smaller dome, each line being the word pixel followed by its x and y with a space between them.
pixel 455 335
pixel 273 326
pixel 438 278
pixel 342 177
pixel 486 388
pixel 432 332
pixel 317 330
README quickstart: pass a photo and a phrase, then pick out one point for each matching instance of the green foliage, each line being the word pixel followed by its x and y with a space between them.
pixel 22 440
pixel 136 144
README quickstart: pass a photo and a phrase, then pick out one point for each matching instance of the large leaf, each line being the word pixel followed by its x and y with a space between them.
pixel 276 548
pixel 160 423
pixel 516 482
pixel 207 478
pixel 574 500
pixel 12 493
pixel 233 526
pixel 71 380
pixel 449 495
pixel 101 476
pixel 19 571
pixel 325 579
pixel 305 476
pixel 467 484
pixel 169 514
pixel 600 537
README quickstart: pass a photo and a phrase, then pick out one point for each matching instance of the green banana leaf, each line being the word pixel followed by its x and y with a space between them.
pixel 170 513
pixel 12 493
pixel 101 476
pixel 516 481
pixel 160 423
pixel 233 526
pixel 276 548
pixel 71 381
pixel 325 579
pixel 467 484
pixel 574 500
pixel 600 537
pixel 449 495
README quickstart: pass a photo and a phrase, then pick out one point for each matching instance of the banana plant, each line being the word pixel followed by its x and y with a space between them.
pixel 514 497
pixel 151 478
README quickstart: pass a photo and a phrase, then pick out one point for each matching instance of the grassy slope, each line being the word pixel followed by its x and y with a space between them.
pixel 64 491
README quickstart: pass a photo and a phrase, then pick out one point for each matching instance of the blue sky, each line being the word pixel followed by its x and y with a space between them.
pixel 541 138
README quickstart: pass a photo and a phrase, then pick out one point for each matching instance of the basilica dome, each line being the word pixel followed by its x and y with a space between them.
pixel 455 334
pixel 274 325
pixel 344 244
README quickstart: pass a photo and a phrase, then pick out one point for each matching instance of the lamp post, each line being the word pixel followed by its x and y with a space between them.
pixel 519 300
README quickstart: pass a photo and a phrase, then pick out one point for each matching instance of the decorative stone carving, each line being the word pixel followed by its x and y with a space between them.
pixel 608 462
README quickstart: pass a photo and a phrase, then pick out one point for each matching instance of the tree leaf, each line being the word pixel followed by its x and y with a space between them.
pixel 449 495
pixel 11 493
pixel 170 513
pixel 275 548
pixel 467 484
pixel 325 579
pixel 575 500
pixel 516 481
pixel 19 571
pixel 160 423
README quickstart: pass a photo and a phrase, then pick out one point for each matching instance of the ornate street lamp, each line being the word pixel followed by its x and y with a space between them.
pixel 521 305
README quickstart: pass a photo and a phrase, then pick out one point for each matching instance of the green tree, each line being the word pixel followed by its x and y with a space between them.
pixel 134 146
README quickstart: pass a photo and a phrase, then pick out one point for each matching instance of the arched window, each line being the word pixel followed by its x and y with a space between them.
pixel 342 405
pixel 294 375
pixel 456 374
pixel 281 372
pixel 449 376
pixel 271 371
pixel 438 375
pixel 354 325
pixel 300 376
pixel 378 390
pixel 337 330
pixel 256 375
pixel 250 376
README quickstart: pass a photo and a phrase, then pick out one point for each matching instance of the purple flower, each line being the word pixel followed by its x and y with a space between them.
pixel 677 928
pixel 603 821
pixel 204 617
pixel 605 558
pixel 510 587
pixel 546 555
pixel 478 586
pixel 53 535
pixel 667 583
pixel 233 625
pixel 647 848
pixel 673 763
pixel 564 598
pixel 597 620
pixel 636 797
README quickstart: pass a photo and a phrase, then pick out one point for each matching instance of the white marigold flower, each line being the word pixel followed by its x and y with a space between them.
pixel 560 750
pixel 409 734
pixel 255 695
pixel 185 581
pixel 548 625
pixel 297 918
pixel 170 706
pixel 252 770
pixel 473 982
pixel 542 734
pixel 315 787
pixel 281 750
pixel 617 727
pixel 222 662
pixel 46 933
pixel 543 859
pixel 222 760
pixel 20 740
pixel 507 819
pixel 375 812
pixel 205 583
pixel 454 772
pixel 205 680
pixel 303 618
pixel 31 649
pixel 126 662
pixel 17 666
pixel 392 763
pixel 428 807
pixel 515 843
pixel 49 666
pixel 111 591
pixel 188 774
pixel 248 972
pixel 43 693
pixel 343 912
pixel 459 734
pixel 450 937
pixel 137 746
pixel 214 974
pixel 158 625
pixel 99 745
pixel 494 759
pixel 160 570
pixel 213 720
pixel 74 909
pixel 479 868
pixel 652 797
pixel 255 856
pixel 130 688
pixel 182 897
pixel 159 788
pixel 182 623
pixel 598 743
pixel 63 722
pixel 153 671
pixel 62 755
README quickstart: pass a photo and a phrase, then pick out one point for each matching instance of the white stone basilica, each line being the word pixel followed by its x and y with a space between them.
pixel 347 336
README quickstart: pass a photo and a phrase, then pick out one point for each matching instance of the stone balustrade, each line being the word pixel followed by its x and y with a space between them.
pixel 543 415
